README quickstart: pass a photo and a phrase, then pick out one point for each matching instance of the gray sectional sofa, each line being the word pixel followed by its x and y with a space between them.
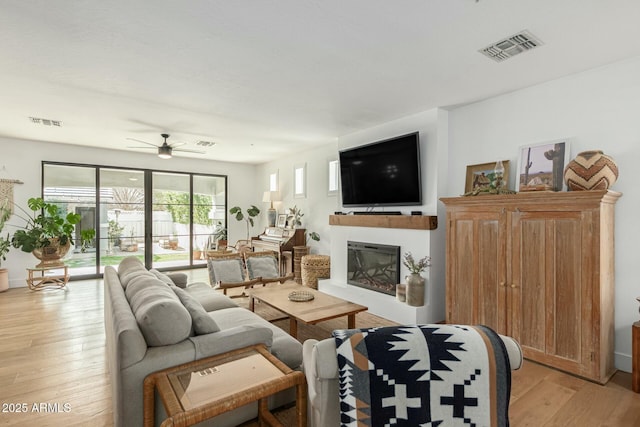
pixel 151 324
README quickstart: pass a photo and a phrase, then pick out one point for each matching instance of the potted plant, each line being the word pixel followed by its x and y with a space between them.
pixel 132 246
pixel 219 237
pixel 294 217
pixel 252 212
pixel 415 282
pixel 47 234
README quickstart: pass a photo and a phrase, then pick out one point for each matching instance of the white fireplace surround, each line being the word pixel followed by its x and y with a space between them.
pixel 383 305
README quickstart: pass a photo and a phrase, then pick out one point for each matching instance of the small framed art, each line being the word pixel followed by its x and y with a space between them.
pixel 481 176
pixel 541 166
pixel 282 221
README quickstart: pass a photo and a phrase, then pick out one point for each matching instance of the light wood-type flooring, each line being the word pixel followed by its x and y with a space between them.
pixel 53 370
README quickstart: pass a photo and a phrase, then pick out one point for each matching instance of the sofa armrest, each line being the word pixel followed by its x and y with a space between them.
pixel 178 279
pixel 320 366
pixel 231 339
pixel 513 351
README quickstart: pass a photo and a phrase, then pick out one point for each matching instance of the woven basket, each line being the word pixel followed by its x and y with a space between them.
pixel 315 267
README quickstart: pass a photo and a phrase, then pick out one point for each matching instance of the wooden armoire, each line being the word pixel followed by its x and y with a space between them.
pixel 539 267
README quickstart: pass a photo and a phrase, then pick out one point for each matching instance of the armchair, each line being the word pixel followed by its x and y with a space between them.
pixel 264 265
pixel 320 364
pixel 227 270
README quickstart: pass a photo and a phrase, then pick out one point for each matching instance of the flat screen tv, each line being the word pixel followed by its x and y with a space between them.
pixel 384 173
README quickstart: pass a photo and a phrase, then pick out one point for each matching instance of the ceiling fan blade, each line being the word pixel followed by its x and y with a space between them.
pixel 189 151
pixel 143 142
pixel 149 148
pixel 177 144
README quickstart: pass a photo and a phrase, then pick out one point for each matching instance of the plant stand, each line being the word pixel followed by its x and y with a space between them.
pixel 47 278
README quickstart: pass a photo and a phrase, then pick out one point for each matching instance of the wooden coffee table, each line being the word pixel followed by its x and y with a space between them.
pixel 200 390
pixel 322 307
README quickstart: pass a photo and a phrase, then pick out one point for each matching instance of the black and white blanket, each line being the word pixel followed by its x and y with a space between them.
pixel 423 375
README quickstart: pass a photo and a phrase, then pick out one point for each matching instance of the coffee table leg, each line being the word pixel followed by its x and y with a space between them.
pixel 251 303
pixel 293 327
pixel 351 321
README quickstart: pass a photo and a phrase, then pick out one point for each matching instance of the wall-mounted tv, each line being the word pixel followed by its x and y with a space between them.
pixel 383 173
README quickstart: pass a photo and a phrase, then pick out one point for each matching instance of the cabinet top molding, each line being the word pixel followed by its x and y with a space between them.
pixel 535 197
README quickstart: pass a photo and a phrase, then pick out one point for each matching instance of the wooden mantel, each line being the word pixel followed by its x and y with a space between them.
pixel 415 222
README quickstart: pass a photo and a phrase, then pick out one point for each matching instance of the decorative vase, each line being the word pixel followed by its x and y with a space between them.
pixel 415 290
pixel 591 170
pixel 50 256
pixel 401 292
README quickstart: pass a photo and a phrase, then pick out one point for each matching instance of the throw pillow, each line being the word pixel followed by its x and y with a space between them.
pixel 228 270
pixel 262 266
pixel 202 322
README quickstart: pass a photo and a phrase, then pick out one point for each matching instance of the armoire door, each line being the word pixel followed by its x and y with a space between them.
pixel 477 269
pixel 550 296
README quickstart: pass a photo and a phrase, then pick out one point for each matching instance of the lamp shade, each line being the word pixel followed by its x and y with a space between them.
pixel 271 196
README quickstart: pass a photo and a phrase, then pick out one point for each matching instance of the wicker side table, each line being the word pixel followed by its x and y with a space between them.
pixel 315 267
pixel 200 390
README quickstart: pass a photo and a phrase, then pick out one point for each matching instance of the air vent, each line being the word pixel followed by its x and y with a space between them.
pixel 45 122
pixel 511 46
pixel 205 143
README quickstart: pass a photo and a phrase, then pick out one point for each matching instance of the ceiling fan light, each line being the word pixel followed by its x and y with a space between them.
pixel 164 152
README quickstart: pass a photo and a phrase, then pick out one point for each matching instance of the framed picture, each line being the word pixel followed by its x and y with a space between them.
pixel 282 221
pixel 541 166
pixel 482 175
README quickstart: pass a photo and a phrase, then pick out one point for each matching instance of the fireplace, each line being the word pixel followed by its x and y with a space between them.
pixel 373 266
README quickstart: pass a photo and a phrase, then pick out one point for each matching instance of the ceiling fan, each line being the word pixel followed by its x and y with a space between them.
pixel 165 150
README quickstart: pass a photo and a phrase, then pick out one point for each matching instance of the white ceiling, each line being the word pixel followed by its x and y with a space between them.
pixel 263 78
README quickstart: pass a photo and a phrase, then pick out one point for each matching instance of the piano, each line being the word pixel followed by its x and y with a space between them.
pixel 282 241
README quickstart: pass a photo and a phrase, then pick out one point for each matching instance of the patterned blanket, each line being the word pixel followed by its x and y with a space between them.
pixel 423 375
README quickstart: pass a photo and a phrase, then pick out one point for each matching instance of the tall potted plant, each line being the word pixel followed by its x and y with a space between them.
pixel 252 212
pixel 47 233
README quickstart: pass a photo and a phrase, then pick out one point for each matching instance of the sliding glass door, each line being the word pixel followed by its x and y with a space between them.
pixel 167 219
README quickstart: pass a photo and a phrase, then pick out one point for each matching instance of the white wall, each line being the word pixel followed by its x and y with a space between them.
pixel 597 109
pixel 21 159
pixel 318 206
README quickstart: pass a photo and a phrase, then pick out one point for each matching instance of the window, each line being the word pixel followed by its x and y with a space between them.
pixel 273 181
pixel 164 218
pixel 333 177
pixel 299 181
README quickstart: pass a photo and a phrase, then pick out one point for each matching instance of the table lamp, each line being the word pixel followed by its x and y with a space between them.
pixel 271 196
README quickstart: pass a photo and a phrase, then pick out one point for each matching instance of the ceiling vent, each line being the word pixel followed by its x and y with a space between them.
pixel 205 143
pixel 45 122
pixel 511 46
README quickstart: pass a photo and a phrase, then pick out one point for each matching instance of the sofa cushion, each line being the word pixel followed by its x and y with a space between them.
pixel 262 266
pixel 210 299
pixel 129 268
pixel 140 282
pixel 284 347
pixel 202 323
pixel 225 270
pixel 161 317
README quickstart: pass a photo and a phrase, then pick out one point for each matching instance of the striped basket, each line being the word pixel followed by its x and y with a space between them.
pixel 315 267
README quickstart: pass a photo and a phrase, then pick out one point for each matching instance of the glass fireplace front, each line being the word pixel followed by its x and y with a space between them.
pixel 373 266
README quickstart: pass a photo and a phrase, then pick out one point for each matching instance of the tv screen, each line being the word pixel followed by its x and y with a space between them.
pixel 384 173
